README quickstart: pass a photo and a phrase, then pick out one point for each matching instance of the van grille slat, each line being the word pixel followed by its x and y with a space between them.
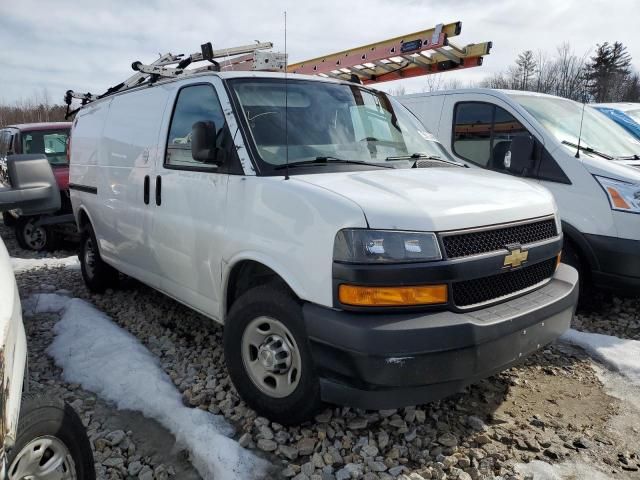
pixel 473 243
pixel 481 290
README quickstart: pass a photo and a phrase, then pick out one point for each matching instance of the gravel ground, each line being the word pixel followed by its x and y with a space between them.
pixel 552 408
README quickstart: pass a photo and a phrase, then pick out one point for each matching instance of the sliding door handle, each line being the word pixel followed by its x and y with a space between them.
pixel 158 190
pixel 146 189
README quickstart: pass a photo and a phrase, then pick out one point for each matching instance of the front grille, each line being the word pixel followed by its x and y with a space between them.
pixel 483 241
pixel 480 290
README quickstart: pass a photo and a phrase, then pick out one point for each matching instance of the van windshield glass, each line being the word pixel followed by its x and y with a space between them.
pixel 561 117
pixel 330 120
pixel 53 143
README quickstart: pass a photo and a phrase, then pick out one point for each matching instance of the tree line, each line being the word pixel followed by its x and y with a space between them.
pixel 606 76
pixel 35 110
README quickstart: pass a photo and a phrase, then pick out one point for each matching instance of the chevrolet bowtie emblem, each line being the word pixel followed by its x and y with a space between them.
pixel 515 258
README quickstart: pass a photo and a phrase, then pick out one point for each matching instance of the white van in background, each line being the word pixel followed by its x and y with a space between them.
pixel 536 136
pixel 309 216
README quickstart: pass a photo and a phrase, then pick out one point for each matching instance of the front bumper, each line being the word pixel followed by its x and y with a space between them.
pixel 618 261
pixel 376 361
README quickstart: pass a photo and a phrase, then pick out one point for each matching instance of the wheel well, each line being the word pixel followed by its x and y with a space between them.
pixel 246 275
pixel 83 220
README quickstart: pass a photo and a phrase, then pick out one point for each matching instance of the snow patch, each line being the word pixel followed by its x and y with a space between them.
pixel 618 354
pixel 571 470
pixel 104 358
pixel 25 264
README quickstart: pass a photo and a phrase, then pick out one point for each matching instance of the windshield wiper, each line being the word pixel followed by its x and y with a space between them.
pixel 635 156
pixel 588 149
pixel 324 160
pixel 422 156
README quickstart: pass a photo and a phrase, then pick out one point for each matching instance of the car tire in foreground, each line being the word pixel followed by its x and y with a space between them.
pixel 268 355
pixel 51 442
pixel 97 275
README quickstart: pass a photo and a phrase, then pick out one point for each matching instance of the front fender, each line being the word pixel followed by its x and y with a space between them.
pixel 13 352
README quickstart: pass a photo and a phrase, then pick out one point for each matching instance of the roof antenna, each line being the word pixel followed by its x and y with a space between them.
pixel 584 103
pixel 286 100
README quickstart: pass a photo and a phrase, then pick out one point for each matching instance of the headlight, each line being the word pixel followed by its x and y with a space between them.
pixel 385 246
pixel 623 196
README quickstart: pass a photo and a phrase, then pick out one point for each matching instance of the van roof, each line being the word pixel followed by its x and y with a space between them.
pixel 23 127
pixel 227 75
pixel 494 91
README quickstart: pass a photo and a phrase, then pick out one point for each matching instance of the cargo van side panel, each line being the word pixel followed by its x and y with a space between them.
pixel 131 137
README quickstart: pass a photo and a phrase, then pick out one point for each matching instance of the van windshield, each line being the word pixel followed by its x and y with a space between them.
pixel 53 143
pixel 561 117
pixel 330 120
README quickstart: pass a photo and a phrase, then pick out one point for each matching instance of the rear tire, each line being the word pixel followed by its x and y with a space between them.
pixel 268 356
pixel 97 275
pixel 49 433
pixel 32 237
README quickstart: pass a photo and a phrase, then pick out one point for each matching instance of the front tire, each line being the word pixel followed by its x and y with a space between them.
pixel 268 356
pixel 51 443
pixel 97 275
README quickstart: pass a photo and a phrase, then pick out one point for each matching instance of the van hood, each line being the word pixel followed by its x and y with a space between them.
pixel 436 199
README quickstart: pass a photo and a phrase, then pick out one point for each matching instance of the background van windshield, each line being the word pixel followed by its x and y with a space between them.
pixel 53 143
pixel 561 118
pixel 329 120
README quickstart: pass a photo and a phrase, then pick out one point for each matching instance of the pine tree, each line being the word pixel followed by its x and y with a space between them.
pixel 526 67
pixel 608 71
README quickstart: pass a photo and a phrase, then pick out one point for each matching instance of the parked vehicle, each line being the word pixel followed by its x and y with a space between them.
pixel 40 437
pixel 627 115
pixel 590 164
pixel 38 232
pixel 347 256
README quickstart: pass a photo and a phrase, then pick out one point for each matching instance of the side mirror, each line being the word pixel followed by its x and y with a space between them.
pixel 203 142
pixel 28 185
pixel 519 159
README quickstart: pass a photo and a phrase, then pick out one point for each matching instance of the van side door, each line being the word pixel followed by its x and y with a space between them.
pixel 189 200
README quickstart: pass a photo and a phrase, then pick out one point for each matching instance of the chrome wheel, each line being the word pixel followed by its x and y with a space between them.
pixel 34 237
pixel 89 257
pixel 44 458
pixel 271 357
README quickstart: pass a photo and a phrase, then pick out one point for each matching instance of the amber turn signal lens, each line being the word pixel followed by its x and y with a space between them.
pixel 617 199
pixel 558 259
pixel 392 296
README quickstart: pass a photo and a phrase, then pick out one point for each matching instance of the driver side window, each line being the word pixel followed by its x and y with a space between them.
pixel 196 103
pixel 482 133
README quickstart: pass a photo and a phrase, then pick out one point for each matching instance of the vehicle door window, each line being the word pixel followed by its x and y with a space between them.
pixel 52 143
pixel 483 133
pixel 197 103
pixel 472 132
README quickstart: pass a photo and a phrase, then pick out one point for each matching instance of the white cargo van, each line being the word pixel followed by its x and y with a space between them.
pixel 536 136
pixel 349 259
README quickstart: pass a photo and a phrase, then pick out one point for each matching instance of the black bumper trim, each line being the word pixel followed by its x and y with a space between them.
pixel 391 360
pixel 619 263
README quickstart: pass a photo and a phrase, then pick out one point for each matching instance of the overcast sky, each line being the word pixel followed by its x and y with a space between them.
pixel 89 45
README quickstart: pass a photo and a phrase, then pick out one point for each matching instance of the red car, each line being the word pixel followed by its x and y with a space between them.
pixel 51 139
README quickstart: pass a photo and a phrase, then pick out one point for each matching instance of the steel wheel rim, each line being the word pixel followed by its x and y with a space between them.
pixel 89 257
pixel 271 357
pixel 43 458
pixel 34 237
